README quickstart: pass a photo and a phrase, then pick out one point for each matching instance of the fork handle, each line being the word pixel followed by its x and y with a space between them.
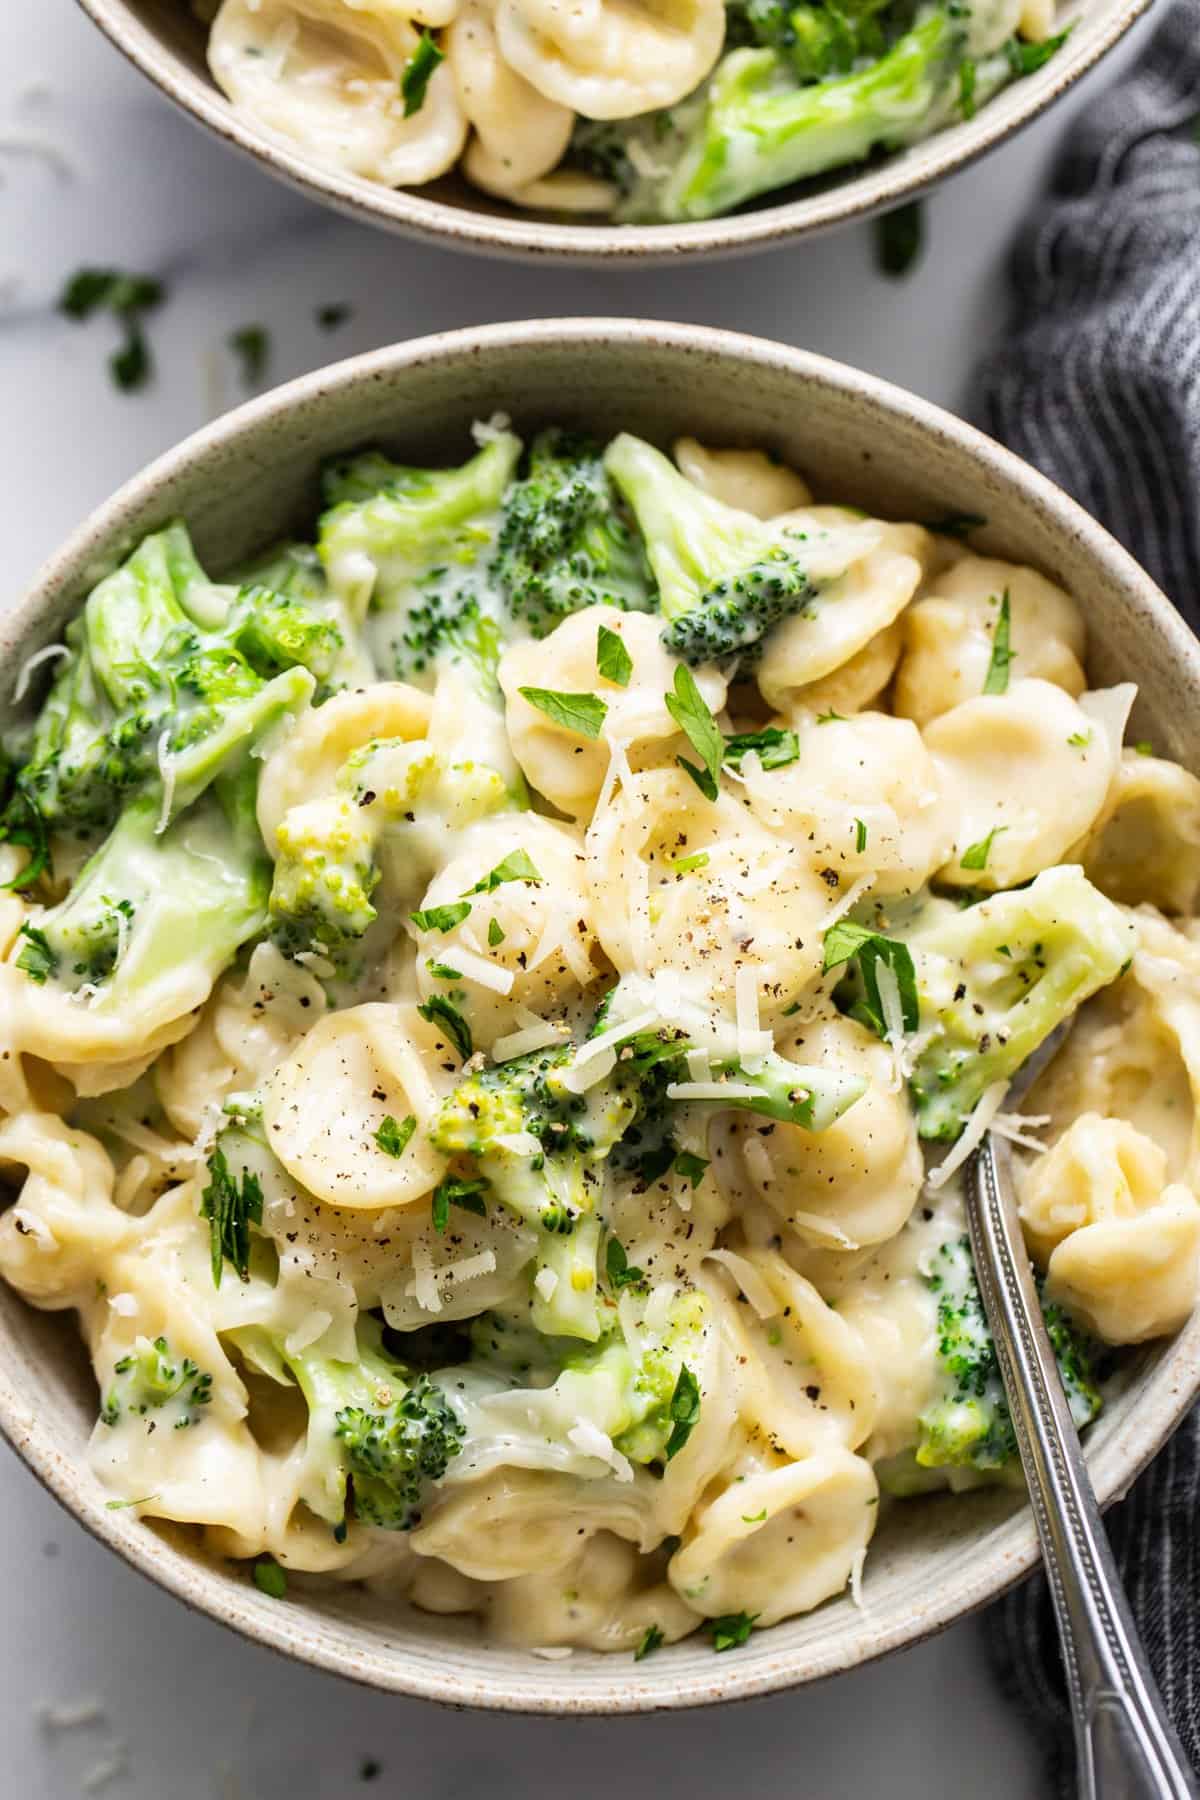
pixel 1126 1747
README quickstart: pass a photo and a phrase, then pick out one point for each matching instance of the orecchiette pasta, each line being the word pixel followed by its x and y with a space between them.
pixel 520 135
pixel 478 1108
pixel 611 59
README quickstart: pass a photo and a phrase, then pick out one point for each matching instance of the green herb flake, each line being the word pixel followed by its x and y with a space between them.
pixel 966 88
pixel 582 714
pixel 442 971
pixel 29 833
pixel 251 344
pixel 652 1641
pixel 958 525
pixel 849 942
pixel 517 866
pixel 468 1196
pixel 121 1505
pixel 441 918
pixel 898 239
pixel 975 856
pixel 732 1630
pixel 1027 59
pixel 370 1769
pixel 393 1139
pixel 775 746
pixel 36 956
pixel 621 1274
pixel 231 1207
pixel 269 1578
pixel 1079 740
pixel 495 932
pixel 691 1167
pixel 689 709
pixel 860 836
pixel 127 298
pixel 684 1411
pixel 1144 747
pixel 414 81
pixel 613 660
pixel 754 1518
pixel 830 717
pixel 687 865
pixel 442 1012
pixel 330 317
pixel 996 681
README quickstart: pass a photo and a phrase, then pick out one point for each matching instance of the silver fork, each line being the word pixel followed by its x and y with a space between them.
pixel 1126 1747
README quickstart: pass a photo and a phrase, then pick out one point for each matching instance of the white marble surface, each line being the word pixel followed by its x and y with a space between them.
pixel 122 179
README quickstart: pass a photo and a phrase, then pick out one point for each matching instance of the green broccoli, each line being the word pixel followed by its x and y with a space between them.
pixel 376 1430
pixel 994 980
pixel 564 541
pixel 969 1425
pixel 413 548
pixel 724 577
pixel 825 88
pixel 150 1378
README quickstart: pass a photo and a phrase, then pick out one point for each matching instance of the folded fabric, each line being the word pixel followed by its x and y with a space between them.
pixel 1098 385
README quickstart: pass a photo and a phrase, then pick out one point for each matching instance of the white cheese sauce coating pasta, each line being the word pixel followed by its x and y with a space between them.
pixel 495 999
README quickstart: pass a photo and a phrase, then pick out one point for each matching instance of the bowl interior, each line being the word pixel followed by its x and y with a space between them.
pixel 166 41
pixel 251 477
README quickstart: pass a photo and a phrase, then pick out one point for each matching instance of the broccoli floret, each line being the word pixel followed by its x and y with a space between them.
pixel 150 1378
pixel 286 631
pixel 996 978
pixel 724 577
pixel 564 540
pixel 414 547
pixel 817 40
pixel 375 1429
pixel 761 121
pixel 969 1424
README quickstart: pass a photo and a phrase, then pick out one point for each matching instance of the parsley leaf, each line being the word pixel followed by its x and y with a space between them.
pixel 957 525
pixel 441 1011
pixel 442 971
pixel 684 1411
pixel 691 1167
pixel 230 1209
pixel 996 681
pixel 127 298
pixel 966 88
pixel 898 239
pixel 36 955
pixel 441 918
pixel 731 1630
pixel 860 836
pixel 417 71
pixel 251 344
pixel 1144 747
pixel 847 942
pixel 269 1578
pixel 613 660
pixel 469 1195
pixel 754 1518
pixel 829 718
pixel 618 1269
pixel 1027 59
pixel 652 1641
pixel 773 745
pixel 495 932
pixel 975 856
pixel 330 317
pixel 689 709
pixel 583 714
pixel 1079 740
pixel 517 866
pixel 392 1138
pixel 686 864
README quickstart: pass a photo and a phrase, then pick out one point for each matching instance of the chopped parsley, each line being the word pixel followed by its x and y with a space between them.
pixel 754 1518
pixel 732 1630
pixel 441 918
pixel 652 1641
pixel 860 836
pixel 393 1138
pixel 251 344
pixel 1144 747
pixel 330 317
pixel 613 660
pixel 517 866
pixel 230 1207
pixel 620 1272
pixel 684 1411
pixel 442 971
pixel 36 956
pixel 495 932
pixel 848 942
pixel 441 1011
pixel 685 865
pixel 417 71
pixel 966 88
pixel 690 1167
pixel 128 298
pixel 468 1195
pixel 689 709
pixel 898 239
pixel 582 714
pixel 975 856
pixel 996 681
pixel 1027 59
pixel 828 718
pixel 1079 740
pixel 957 525
pixel 775 746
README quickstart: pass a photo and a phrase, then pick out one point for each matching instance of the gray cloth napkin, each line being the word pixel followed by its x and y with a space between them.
pixel 1098 385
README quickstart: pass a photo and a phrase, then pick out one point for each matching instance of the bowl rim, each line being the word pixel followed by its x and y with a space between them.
pixel 532 238
pixel 1172 1381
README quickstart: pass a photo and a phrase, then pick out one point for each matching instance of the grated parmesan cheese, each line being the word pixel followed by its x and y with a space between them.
pixel 748 1280
pixel 480 969
pixel 848 901
pixel 469 1268
pixel 591 1441
pixel 551 1652
pixel 35 662
pixel 856 1574
pixel 1013 1126
pixel 546 1282
pixel 749 1031
pixel 424 1288
pixel 532 1037
pixel 711 1090
pixel 659 1305
pixel 124 1305
pixel 974 1132
pixel 824 1230
pixel 893 1020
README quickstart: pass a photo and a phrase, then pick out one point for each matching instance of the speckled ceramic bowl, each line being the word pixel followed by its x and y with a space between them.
pixel 167 43
pixel 250 478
